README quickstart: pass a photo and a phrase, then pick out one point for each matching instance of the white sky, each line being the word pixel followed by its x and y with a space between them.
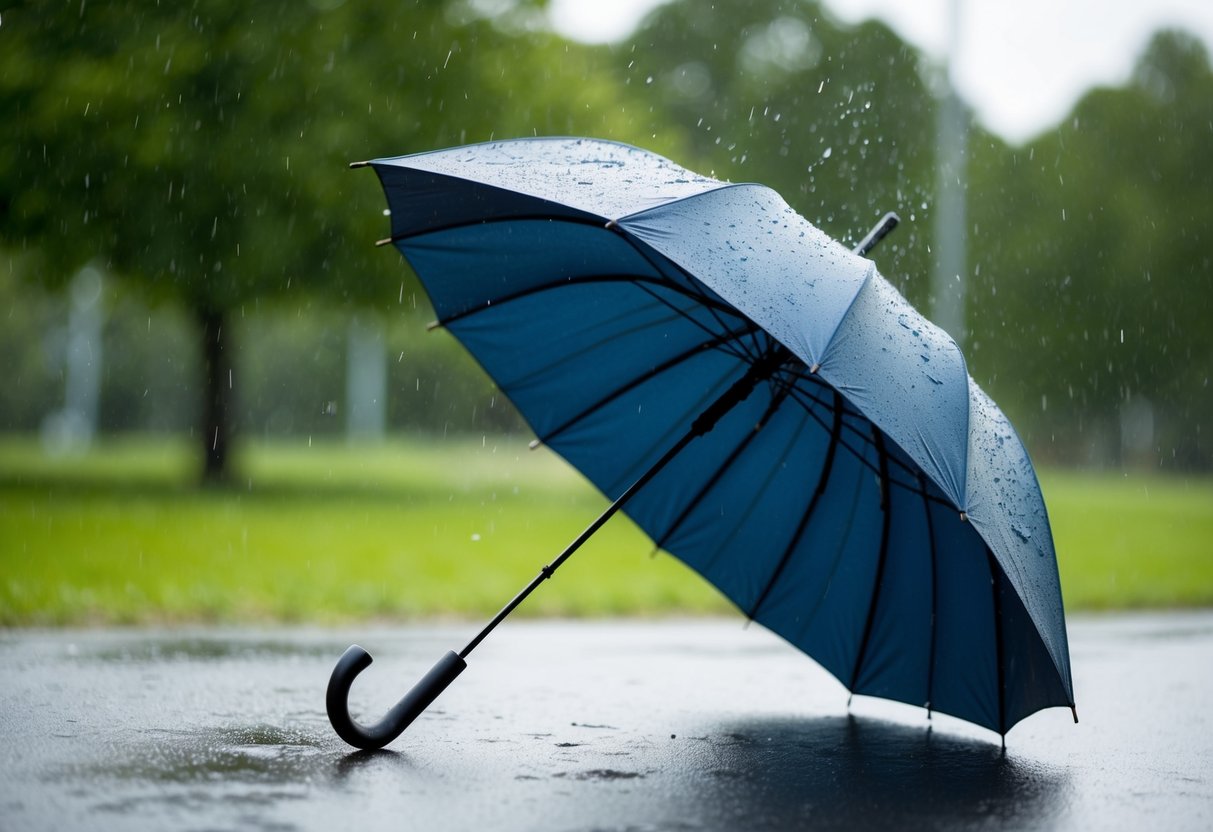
pixel 1022 63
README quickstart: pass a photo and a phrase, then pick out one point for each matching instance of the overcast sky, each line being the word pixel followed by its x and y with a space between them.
pixel 1022 63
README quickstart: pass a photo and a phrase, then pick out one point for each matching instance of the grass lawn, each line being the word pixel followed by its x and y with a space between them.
pixel 331 532
pixel 1128 540
pixel 321 533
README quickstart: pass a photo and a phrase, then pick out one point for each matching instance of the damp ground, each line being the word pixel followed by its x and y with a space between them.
pixel 586 725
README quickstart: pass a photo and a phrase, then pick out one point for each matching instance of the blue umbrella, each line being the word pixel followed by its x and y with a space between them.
pixel 759 400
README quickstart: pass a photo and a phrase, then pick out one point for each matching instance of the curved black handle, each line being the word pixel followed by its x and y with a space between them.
pixel 355 660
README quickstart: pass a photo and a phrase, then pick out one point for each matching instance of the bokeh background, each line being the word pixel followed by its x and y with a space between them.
pixel 220 401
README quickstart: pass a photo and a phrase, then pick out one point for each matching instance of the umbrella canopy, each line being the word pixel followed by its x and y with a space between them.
pixel 858 494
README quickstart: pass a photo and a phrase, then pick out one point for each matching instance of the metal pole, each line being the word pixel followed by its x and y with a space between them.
pixel 951 138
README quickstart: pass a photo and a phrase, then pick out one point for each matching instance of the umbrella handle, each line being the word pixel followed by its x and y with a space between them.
pixel 355 660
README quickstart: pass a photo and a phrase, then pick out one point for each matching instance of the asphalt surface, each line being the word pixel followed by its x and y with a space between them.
pixel 700 725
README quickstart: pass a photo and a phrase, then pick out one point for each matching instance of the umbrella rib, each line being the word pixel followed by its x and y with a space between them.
pixel 741 352
pixel 743 515
pixel 996 587
pixel 568 282
pixel 724 467
pixel 592 346
pixel 799 396
pixel 711 305
pixel 711 309
pixel 857 432
pixel 469 223
pixel 703 424
pixel 886 523
pixel 669 364
pixel 926 507
pixel 822 479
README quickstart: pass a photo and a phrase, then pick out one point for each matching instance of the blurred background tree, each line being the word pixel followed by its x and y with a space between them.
pixel 196 155
pixel 838 119
pixel 1092 285
pixel 198 152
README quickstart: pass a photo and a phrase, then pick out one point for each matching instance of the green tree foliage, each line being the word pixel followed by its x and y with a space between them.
pixel 1093 290
pixel 1089 249
pixel 198 150
pixel 837 119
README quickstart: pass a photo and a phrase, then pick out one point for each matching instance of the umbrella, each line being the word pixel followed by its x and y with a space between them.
pixel 759 400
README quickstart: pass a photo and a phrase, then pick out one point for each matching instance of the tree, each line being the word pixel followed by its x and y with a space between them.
pixel 838 119
pixel 1100 266
pixel 199 150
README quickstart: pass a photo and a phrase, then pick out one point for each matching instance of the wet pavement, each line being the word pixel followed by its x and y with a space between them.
pixel 658 725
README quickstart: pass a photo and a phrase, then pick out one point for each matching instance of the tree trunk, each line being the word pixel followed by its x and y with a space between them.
pixel 218 405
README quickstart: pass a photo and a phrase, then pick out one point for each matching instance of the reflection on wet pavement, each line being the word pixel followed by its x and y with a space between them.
pixel 639 725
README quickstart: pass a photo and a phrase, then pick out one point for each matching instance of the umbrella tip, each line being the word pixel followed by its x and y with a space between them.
pixel 879 231
pixel 359 164
pixel 1074 710
pixel 534 443
pixel 813 370
pixel 611 225
pixel 964 517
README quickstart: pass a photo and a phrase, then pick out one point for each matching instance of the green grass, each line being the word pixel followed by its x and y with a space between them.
pixel 321 533
pixel 1132 540
pixel 332 532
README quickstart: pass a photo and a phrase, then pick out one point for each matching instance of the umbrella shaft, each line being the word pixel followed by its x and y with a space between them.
pixel 761 369
pixel 547 571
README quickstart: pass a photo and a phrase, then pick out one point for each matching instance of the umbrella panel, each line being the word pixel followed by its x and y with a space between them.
pixel 566 326
pixel 610 351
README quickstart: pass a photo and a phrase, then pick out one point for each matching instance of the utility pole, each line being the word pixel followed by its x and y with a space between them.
pixel 71 430
pixel 951 140
pixel 366 379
